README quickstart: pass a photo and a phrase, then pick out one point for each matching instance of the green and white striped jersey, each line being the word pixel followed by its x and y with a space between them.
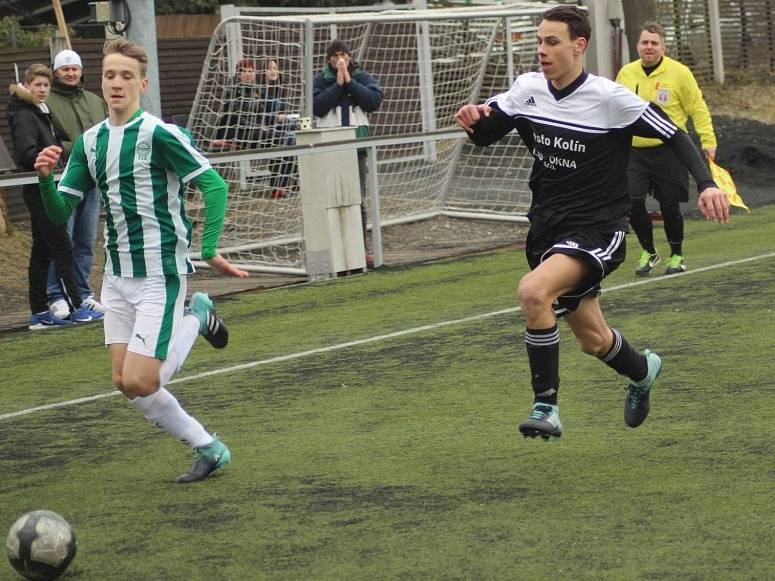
pixel 140 169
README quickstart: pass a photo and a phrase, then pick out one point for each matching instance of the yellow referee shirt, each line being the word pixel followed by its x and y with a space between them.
pixel 671 86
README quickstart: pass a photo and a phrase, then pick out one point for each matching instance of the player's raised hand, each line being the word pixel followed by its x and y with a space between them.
pixel 47 160
pixel 225 268
pixel 713 204
pixel 469 115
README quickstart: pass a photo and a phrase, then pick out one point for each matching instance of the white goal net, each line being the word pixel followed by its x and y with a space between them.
pixel 428 63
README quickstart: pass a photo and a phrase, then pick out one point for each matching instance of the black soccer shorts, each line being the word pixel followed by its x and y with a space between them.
pixel 604 250
pixel 657 171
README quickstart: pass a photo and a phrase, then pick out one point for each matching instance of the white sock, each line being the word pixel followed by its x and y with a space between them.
pixel 180 347
pixel 163 409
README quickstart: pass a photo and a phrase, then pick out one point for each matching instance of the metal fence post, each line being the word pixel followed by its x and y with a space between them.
pixel 376 221
pixel 716 46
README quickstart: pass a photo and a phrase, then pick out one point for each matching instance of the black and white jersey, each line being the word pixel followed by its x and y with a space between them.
pixel 580 140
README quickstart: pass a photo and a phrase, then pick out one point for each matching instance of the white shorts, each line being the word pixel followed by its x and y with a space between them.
pixel 143 312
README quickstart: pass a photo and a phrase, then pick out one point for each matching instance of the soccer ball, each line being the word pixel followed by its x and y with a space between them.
pixel 41 545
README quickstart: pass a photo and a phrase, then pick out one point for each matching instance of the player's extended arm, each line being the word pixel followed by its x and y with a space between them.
pixel 58 205
pixel 484 124
pixel 712 202
pixel 215 192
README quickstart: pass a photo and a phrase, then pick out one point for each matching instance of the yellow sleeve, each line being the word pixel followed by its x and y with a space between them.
pixel 697 109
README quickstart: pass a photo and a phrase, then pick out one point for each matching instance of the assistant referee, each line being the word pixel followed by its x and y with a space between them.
pixel 653 167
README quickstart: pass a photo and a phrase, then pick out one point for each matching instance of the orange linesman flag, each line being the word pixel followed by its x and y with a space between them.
pixel 724 181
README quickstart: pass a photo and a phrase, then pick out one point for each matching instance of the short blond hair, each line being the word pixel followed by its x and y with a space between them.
pixel 128 49
pixel 38 70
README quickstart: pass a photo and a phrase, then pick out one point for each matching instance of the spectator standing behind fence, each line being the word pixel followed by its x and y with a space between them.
pixel 240 124
pixel 73 111
pixel 280 123
pixel 32 131
pixel 653 167
pixel 257 116
pixel 343 94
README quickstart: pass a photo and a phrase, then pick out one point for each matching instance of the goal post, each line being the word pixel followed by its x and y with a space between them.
pixel 428 62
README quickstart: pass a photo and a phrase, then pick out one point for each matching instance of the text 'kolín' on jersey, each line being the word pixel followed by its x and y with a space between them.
pixel 560 142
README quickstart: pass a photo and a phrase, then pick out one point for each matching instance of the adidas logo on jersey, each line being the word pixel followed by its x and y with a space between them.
pixel 531 102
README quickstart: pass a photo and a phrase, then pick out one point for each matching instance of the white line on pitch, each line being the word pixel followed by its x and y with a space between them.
pixel 338 346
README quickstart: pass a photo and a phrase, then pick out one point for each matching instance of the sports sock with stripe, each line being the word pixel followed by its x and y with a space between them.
pixel 625 360
pixel 543 352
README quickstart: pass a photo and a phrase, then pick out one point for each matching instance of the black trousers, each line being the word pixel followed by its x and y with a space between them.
pixel 50 242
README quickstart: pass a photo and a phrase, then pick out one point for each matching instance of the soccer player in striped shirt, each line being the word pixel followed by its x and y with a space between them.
pixel 579 128
pixel 140 166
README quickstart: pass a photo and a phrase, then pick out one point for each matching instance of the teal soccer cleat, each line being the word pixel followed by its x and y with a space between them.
pixel 208 459
pixel 543 421
pixel 211 327
pixel 636 404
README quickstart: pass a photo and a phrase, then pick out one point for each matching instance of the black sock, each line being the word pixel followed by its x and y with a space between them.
pixel 674 228
pixel 624 359
pixel 543 352
pixel 641 224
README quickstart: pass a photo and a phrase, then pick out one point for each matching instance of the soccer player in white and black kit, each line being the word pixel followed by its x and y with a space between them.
pixel 140 166
pixel 579 128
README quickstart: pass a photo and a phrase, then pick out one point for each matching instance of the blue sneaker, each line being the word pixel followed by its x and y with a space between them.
pixel 211 327
pixel 86 314
pixel 636 404
pixel 47 320
pixel 543 421
pixel 208 459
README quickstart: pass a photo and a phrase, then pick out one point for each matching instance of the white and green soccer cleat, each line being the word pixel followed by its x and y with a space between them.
pixel 637 404
pixel 543 421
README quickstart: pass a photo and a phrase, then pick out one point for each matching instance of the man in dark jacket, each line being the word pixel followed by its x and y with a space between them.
pixel 32 131
pixel 73 111
pixel 343 93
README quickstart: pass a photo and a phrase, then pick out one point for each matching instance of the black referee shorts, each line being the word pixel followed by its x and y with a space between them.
pixel 603 249
pixel 657 171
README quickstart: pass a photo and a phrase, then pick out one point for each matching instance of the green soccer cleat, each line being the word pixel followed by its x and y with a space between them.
pixel 543 421
pixel 208 459
pixel 675 264
pixel 636 404
pixel 211 327
pixel 646 263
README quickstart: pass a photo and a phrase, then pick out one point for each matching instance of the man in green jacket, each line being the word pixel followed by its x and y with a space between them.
pixel 73 111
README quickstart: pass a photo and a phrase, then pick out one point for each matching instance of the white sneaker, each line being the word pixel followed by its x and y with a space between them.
pixel 60 309
pixel 93 304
